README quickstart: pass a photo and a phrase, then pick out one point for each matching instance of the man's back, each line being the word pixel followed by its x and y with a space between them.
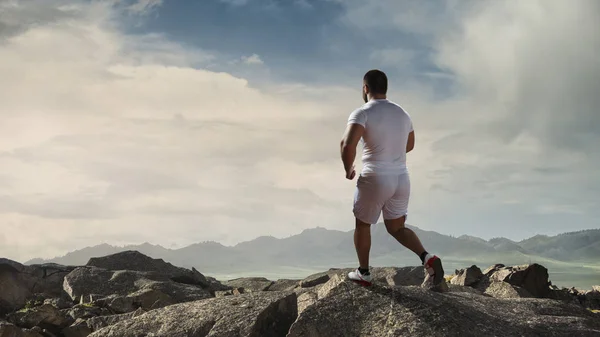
pixel 387 127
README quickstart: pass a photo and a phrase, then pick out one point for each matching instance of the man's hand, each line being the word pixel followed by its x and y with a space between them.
pixel 350 173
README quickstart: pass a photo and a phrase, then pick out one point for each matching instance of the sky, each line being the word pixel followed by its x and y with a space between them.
pixel 175 122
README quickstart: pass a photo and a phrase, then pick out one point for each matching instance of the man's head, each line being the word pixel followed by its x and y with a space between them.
pixel 375 84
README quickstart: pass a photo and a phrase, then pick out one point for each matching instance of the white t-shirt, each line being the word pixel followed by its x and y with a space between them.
pixel 387 126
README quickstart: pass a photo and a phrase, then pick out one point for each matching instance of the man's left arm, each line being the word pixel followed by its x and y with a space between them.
pixel 348 145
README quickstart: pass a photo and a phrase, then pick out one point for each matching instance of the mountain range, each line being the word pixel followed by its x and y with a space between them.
pixel 573 256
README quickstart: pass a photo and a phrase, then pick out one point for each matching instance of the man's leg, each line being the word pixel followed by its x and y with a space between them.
pixel 362 243
pixel 394 215
pixel 405 236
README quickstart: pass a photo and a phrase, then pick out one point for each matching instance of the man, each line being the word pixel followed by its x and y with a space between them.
pixel 384 184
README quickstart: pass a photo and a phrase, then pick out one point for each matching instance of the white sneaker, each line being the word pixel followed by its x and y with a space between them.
pixel 356 276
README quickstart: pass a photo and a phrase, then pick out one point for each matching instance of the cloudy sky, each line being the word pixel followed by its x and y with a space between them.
pixel 178 121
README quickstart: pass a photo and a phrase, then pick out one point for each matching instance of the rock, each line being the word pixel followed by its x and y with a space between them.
pixel 136 261
pixel 314 280
pixel 351 310
pixel 284 285
pixel 223 293
pixel 215 285
pixel 49 278
pixel 86 311
pixel 506 290
pixel 428 284
pixel 405 276
pixel 306 300
pixel 267 314
pixel 121 304
pixel 250 284
pixel 77 329
pixel 468 277
pixel 596 288
pixel 492 269
pixel 97 323
pixel 59 303
pixel 11 330
pixel 14 289
pixel 453 288
pixel 46 316
pixel 533 278
pixel 142 287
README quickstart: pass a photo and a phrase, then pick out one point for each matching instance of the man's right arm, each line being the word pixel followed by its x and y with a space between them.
pixel 410 144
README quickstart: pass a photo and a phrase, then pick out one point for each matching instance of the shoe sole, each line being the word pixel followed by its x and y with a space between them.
pixel 438 270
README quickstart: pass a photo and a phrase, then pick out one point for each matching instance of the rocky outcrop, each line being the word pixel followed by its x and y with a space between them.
pixel 346 309
pixel 265 314
pixel 11 330
pixel 284 285
pixel 501 289
pixel 467 277
pixel 14 288
pixel 136 261
pixel 250 284
pixel 533 278
pixel 144 288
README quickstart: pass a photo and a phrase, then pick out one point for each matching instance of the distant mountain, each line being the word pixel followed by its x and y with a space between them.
pixel 322 247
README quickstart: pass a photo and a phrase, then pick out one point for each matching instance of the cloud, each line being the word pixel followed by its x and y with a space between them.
pixel 252 59
pixel 144 6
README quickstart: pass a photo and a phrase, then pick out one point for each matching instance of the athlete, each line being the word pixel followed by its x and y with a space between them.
pixel 387 134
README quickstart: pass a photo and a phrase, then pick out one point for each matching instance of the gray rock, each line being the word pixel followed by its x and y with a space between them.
pixel 14 287
pixel 97 323
pixel 492 269
pixel 250 284
pixel 59 303
pixel 265 314
pixel 463 289
pixel 136 261
pixel 284 285
pixel 533 278
pixel 506 290
pixel 596 288
pixel 315 279
pixel 405 276
pixel 306 299
pixel 346 309
pixel 78 329
pixel 467 277
pixel 11 330
pixel 86 311
pixel 46 316
pixel 142 287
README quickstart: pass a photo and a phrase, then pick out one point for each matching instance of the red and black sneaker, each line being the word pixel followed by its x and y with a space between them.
pixel 433 265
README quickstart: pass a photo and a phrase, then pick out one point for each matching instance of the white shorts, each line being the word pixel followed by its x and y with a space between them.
pixel 387 193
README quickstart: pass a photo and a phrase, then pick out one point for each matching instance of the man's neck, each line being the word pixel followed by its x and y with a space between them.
pixel 374 97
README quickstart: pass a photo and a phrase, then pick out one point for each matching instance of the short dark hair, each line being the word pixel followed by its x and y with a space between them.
pixel 377 81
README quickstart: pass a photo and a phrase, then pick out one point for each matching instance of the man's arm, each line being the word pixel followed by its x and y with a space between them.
pixel 348 147
pixel 410 144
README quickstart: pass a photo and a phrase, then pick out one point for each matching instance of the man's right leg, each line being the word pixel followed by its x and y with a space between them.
pixel 394 215
pixel 404 235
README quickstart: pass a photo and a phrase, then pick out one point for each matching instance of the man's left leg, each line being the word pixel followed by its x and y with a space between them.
pixel 368 202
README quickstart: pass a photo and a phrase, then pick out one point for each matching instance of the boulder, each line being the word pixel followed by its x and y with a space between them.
pixel 467 277
pixel 596 288
pixel 136 261
pixel 97 323
pixel 266 314
pixel 144 288
pixel 49 278
pixel 405 276
pixel 506 290
pixel 14 287
pixel 45 316
pixel 250 284
pixel 314 280
pixel 533 278
pixel 59 303
pixel 492 269
pixel 284 285
pixel 78 329
pixel 11 330
pixel 346 309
